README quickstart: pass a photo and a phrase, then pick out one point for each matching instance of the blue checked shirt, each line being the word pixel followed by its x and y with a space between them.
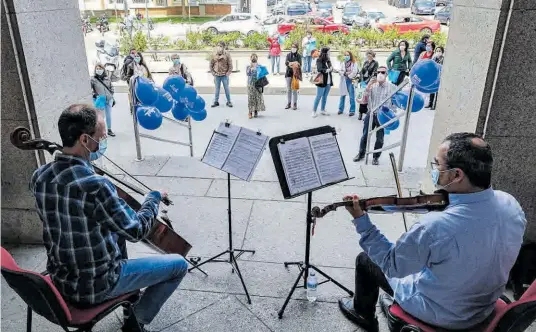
pixel 81 212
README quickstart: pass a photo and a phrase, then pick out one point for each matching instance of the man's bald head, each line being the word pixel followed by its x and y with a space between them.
pixel 76 120
pixel 470 153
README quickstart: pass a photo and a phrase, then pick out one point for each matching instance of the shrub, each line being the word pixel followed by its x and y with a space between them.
pixel 257 41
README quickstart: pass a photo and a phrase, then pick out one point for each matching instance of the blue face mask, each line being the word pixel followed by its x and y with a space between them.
pixel 428 48
pixel 176 62
pixel 346 58
pixel 434 172
pixel 103 145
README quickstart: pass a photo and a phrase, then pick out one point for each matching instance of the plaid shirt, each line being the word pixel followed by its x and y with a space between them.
pixel 377 93
pixel 81 212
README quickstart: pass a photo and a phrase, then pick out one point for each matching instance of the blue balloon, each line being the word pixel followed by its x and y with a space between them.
pixel 425 73
pixel 199 103
pixel 384 115
pixel 149 117
pixel 188 96
pixel 165 101
pixel 400 100
pixel 145 91
pixel 198 115
pixel 179 111
pixel 431 89
pixel 174 84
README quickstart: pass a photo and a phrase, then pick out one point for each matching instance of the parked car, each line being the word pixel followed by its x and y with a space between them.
pixel 351 13
pixel 409 23
pixel 325 15
pixel 444 2
pixel 297 8
pixel 423 7
pixel 324 7
pixel 314 23
pixel 364 18
pixel 270 24
pixel 241 22
pixel 341 3
pixel 443 15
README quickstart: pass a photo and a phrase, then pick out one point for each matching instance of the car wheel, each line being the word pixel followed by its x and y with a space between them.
pixel 448 22
pixel 212 30
pixel 426 30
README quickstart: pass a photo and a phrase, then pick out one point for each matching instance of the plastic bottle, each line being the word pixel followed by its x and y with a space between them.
pixel 312 284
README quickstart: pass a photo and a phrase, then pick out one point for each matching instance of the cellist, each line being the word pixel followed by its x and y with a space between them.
pixel 85 224
pixel 450 268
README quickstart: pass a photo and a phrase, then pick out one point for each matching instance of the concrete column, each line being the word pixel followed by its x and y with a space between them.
pixel 487 87
pixel 44 69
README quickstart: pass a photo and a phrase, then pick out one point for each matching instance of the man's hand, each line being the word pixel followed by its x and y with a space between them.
pixel 228 74
pixel 355 210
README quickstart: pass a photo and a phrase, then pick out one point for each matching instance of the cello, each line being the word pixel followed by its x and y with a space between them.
pixel 161 237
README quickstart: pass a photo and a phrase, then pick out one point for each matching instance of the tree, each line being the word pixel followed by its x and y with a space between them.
pixel 183 8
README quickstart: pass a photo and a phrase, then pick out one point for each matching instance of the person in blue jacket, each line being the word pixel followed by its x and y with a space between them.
pixel 420 47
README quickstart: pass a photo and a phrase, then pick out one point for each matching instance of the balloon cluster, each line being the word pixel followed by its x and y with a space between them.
pixel 425 75
pixel 175 96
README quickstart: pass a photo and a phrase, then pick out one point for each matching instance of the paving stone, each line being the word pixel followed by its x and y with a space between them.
pixel 336 192
pixel 189 167
pixel 382 176
pixel 250 190
pixel 228 314
pixel 151 165
pixel 176 185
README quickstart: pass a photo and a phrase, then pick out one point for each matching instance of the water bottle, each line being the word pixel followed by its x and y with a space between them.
pixel 312 283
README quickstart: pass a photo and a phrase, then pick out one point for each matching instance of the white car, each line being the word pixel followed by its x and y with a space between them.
pixel 241 22
pixel 341 3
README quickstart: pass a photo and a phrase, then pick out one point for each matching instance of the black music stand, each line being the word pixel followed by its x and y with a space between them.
pixel 303 266
pixel 233 257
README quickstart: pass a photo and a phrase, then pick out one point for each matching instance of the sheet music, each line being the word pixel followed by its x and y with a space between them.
pixel 220 145
pixel 299 166
pixel 328 158
pixel 245 154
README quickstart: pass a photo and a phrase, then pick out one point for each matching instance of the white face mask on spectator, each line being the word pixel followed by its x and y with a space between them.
pixel 381 78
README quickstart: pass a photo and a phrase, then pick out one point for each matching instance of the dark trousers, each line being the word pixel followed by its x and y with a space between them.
pixel 369 278
pixel 401 77
pixel 363 108
pixel 379 136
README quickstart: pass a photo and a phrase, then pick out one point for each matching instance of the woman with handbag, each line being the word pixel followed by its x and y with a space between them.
pixel 293 75
pixel 348 72
pixel 323 81
pixel 102 86
pixel 255 97
pixel 399 63
pixel 367 72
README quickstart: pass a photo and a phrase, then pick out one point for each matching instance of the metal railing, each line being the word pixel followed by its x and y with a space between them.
pixel 406 113
pixel 186 123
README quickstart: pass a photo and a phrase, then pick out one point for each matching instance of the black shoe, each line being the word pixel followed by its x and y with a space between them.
pixel 287 107
pixel 360 116
pixel 375 161
pixel 347 307
pixel 339 112
pixel 295 107
pixel 132 325
pixel 351 114
pixel 215 104
pixel 229 104
pixel 111 133
pixel 386 301
pixel 358 158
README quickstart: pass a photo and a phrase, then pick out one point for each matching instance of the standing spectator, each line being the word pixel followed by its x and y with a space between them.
pixel 377 90
pixel 324 67
pixel 138 68
pixel 221 67
pixel 429 53
pixel 399 61
pixel 420 47
pixel 101 85
pixel 309 45
pixel 180 69
pixel 293 62
pixel 126 62
pixel 275 52
pixel 367 72
pixel 348 72
pixel 438 57
pixel 255 97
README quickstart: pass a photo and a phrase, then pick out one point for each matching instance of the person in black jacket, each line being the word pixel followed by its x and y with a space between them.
pixel 370 66
pixel 293 62
pixel 420 47
pixel 323 85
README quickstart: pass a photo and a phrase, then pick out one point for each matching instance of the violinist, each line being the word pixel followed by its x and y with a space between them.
pixel 85 223
pixel 450 268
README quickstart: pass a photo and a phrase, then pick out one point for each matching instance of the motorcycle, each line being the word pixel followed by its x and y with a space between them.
pixel 86 26
pixel 108 55
pixel 103 25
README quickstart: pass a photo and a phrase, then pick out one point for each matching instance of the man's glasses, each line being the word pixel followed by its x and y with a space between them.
pixel 435 165
pixel 382 72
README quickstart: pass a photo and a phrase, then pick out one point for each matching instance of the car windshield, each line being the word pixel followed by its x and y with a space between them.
pixel 425 3
pixel 351 10
pixel 394 20
pixel 375 15
pixel 324 6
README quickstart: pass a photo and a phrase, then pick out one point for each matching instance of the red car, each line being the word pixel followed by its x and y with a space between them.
pixel 315 23
pixel 409 23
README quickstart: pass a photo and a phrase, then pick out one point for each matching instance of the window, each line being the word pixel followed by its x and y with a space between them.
pixel 243 17
pixel 416 19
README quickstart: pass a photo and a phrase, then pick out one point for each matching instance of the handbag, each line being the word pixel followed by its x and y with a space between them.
pixel 261 82
pixel 294 84
pixel 107 88
pixel 393 75
pixel 360 95
pixel 318 79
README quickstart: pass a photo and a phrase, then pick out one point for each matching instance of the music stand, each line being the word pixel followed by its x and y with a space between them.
pixel 216 150
pixel 283 172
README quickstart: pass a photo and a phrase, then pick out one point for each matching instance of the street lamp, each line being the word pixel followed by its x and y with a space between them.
pixel 147 18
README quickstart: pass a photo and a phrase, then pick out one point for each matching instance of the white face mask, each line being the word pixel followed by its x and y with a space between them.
pixel 294 50
pixel 381 77
pixel 439 53
pixel 402 47
pixel 99 72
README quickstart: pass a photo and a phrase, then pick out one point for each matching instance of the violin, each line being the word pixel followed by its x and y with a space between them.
pixel 162 237
pixel 437 201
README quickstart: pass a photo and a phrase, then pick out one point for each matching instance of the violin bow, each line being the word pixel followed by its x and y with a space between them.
pixel 398 188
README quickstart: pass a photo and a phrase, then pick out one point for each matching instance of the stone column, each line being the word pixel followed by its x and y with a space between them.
pixel 44 69
pixel 487 87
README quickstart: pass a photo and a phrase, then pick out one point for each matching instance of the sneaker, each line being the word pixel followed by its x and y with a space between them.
pixel 295 107
pixel 249 115
pixel 358 158
pixel 375 161
pixel 323 112
pixel 360 116
pixel 215 104
pixel 229 104
pixel 111 133
pixel 340 112
pixel 314 115
pixel 255 114
pixel 287 107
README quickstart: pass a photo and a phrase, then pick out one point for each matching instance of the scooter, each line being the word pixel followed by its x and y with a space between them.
pixel 108 55
pixel 103 25
pixel 86 26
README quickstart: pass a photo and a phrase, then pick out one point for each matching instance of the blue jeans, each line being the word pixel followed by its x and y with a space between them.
pixel 275 59
pixel 108 111
pixel 351 95
pixel 217 81
pixel 321 93
pixel 161 274
pixel 307 64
